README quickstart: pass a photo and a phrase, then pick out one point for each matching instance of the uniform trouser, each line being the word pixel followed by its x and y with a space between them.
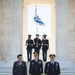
pixel 44 54
pixel 29 54
pixel 37 50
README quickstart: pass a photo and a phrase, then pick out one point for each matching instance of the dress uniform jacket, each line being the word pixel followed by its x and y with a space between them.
pixel 45 44
pixel 52 69
pixel 19 69
pixel 29 44
pixel 36 68
pixel 37 43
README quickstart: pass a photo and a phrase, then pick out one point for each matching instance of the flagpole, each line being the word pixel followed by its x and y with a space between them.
pixel 36 22
pixel 36 28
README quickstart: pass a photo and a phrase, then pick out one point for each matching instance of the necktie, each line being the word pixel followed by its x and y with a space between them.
pixel 52 63
pixel 36 60
pixel 20 62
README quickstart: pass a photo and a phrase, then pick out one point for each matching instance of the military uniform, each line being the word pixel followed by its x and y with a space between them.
pixel 52 67
pixel 45 46
pixel 37 45
pixel 19 68
pixel 36 67
pixel 29 44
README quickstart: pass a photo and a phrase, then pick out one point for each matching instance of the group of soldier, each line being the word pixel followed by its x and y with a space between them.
pixel 36 66
pixel 36 44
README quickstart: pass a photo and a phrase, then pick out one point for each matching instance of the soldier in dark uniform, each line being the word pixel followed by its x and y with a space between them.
pixel 52 67
pixel 19 67
pixel 29 44
pixel 37 44
pixel 45 47
pixel 36 66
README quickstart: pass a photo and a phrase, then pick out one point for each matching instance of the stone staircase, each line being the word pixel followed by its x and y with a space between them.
pixel 64 71
pixel 68 71
pixel 8 71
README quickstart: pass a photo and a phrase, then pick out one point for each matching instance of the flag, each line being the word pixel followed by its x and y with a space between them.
pixel 38 20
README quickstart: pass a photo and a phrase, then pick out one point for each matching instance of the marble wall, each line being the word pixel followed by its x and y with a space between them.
pixel 61 27
pixel 71 30
pixel 5 28
pixel 16 27
pixel 62 43
pixel 11 13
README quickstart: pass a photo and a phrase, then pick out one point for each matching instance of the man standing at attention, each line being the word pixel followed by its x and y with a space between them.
pixel 29 44
pixel 52 67
pixel 45 47
pixel 19 67
pixel 36 66
pixel 37 44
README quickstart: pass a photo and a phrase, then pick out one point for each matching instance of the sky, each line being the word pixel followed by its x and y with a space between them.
pixel 44 12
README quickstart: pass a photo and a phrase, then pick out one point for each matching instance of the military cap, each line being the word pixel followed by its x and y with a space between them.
pixel 37 34
pixel 35 53
pixel 29 35
pixel 19 55
pixel 52 55
pixel 44 35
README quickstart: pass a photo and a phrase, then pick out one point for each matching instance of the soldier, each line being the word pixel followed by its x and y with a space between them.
pixel 36 66
pixel 52 67
pixel 37 44
pixel 19 67
pixel 45 47
pixel 29 44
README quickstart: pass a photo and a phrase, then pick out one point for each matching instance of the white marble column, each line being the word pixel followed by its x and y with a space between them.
pixel 5 32
pixel 11 31
pixel 61 27
pixel 53 30
pixel 16 27
pixel 25 29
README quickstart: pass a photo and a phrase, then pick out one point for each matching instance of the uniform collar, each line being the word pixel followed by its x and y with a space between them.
pixel 19 62
pixel 36 60
pixel 52 62
pixel 29 39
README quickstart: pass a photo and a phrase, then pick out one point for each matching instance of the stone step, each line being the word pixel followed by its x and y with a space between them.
pixel 8 71
pixel 64 71
pixel 43 74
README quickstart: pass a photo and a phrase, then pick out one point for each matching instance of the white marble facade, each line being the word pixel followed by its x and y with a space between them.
pixel 5 27
pixel 62 31
pixel 11 31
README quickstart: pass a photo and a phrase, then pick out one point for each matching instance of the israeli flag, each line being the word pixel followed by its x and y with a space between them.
pixel 38 20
